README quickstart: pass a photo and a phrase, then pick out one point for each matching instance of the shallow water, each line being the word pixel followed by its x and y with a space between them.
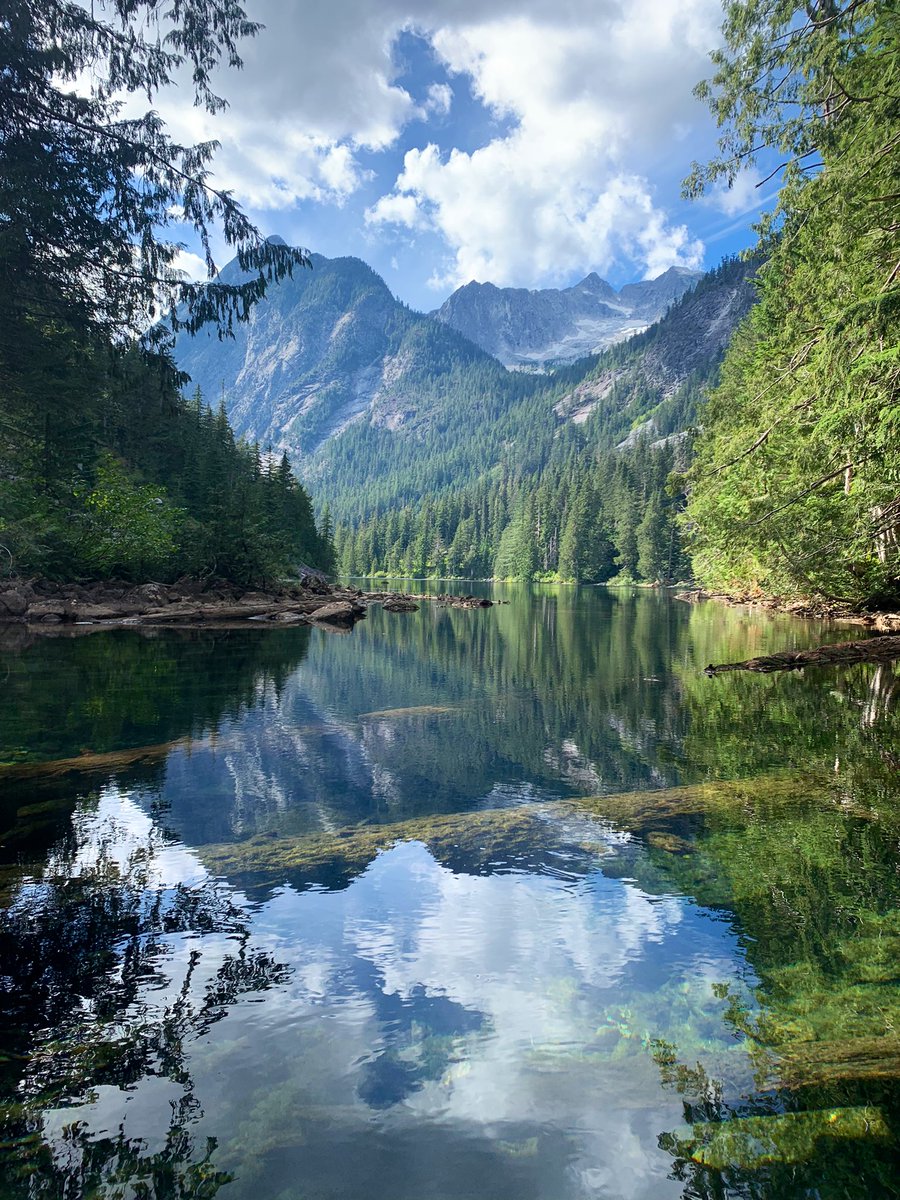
pixel 494 903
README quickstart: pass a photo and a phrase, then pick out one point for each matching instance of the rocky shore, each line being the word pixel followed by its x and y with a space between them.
pixel 45 604
pixel 812 609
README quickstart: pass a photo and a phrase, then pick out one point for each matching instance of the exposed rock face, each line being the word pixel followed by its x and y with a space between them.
pixel 339 612
pixel 13 602
pixel 331 347
pixel 691 338
pixel 531 328
pixel 324 349
pixel 372 400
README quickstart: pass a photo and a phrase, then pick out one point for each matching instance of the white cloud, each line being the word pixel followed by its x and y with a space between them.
pixel 594 94
pixel 557 213
pixel 440 99
pixel 269 165
pixel 591 97
pixel 743 196
pixel 193 266
pixel 397 209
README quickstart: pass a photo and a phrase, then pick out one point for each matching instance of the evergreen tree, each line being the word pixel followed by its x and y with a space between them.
pixel 85 192
pixel 797 481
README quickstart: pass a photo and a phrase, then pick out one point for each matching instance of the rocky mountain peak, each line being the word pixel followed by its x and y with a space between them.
pixel 535 328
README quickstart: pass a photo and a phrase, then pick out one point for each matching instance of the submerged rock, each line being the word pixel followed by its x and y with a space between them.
pixel 419 710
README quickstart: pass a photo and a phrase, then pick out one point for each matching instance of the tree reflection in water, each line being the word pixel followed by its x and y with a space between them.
pixel 119 952
pixel 109 973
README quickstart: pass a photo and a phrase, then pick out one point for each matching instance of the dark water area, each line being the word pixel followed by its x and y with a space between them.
pixel 490 903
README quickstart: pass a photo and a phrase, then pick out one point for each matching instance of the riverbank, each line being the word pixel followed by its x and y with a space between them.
pixel 813 609
pixel 46 605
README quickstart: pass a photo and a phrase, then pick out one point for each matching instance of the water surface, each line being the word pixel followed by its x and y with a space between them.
pixel 494 903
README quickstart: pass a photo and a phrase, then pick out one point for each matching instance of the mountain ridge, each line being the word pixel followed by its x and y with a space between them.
pixel 321 350
pixel 533 328
pixel 381 407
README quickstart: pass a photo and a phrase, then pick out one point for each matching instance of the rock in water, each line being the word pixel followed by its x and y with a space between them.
pixel 340 612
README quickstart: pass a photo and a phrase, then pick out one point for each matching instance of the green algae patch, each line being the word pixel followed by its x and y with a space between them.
pixel 480 837
pixel 477 839
pixel 746 800
pixel 89 762
pixel 859 1059
pixel 752 1142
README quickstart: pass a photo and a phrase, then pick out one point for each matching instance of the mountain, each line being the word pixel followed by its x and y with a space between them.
pixel 650 369
pixel 559 476
pixel 533 328
pixel 433 457
pixel 326 347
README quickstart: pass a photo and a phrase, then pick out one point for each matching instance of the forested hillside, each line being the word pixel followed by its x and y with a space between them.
pixel 326 348
pixel 796 484
pixel 433 458
pixel 105 469
pixel 561 477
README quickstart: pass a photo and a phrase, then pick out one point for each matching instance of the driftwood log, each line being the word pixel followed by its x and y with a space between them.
pixel 869 650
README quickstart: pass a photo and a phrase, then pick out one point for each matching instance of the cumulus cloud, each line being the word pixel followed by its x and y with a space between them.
pixel 398 208
pixel 270 165
pixel 191 265
pixel 562 212
pixel 589 100
pixel 591 93
pixel 440 99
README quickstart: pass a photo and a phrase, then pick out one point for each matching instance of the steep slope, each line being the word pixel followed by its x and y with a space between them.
pixel 635 381
pixel 534 328
pixel 324 349
pixel 566 479
pixel 384 409
pixel 515 425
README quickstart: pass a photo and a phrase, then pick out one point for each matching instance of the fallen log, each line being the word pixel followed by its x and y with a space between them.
pixel 90 762
pixel 826 1063
pixel 870 650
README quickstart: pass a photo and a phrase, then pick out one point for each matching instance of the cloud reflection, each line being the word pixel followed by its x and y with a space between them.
pixel 500 1021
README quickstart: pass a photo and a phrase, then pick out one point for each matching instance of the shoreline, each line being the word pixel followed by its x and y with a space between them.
pixel 878 621
pixel 45 606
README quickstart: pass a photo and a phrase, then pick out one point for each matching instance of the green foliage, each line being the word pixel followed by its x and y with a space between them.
pixel 583 520
pixel 86 193
pixel 104 469
pixel 494 477
pixel 113 473
pixel 129 529
pixel 796 486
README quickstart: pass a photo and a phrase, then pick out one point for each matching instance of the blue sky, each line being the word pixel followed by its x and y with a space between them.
pixel 525 143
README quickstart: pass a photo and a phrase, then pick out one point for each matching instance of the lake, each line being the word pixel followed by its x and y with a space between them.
pixel 510 903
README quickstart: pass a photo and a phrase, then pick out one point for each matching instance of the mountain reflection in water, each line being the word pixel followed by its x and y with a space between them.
pixel 503 903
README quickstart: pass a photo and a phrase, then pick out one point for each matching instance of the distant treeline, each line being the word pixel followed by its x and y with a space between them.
pixel 506 484
pixel 587 520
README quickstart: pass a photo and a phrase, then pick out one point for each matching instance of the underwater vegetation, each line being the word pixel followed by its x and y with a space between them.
pixel 169 891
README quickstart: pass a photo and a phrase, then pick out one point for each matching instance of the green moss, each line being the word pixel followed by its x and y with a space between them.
pixel 752 1142
pixel 481 836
